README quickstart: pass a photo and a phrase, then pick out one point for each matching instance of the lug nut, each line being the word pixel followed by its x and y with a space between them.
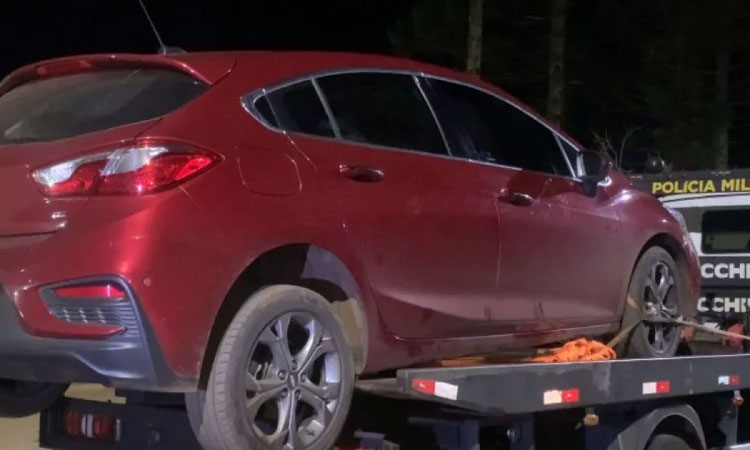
pixel 294 365
pixel 303 377
pixel 282 374
pixel 284 393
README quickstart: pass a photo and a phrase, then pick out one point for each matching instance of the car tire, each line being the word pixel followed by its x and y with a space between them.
pixel 25 398
pixel 285 350
pixel 667 442
pixel 656 287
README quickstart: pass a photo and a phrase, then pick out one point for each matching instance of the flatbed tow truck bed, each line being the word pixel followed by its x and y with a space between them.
pixel 617 405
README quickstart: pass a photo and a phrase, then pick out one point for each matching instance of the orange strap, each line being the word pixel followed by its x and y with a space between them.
pixel 578 350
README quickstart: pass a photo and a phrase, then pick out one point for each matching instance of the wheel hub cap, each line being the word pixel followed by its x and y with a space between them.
pixel 292 382
pixel 660 301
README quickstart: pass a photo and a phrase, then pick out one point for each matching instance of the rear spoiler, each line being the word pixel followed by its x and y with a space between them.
pixel 695 182
pixel 208 68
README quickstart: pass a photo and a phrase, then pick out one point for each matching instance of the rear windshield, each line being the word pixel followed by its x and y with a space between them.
pixel 71 105
pixel 726 231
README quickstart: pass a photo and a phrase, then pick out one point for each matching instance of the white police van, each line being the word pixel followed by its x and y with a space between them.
pixel 716 208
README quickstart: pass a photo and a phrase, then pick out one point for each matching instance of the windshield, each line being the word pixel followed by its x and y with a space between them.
pixel 71 105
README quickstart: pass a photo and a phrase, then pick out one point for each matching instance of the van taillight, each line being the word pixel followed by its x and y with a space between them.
pixel 142 168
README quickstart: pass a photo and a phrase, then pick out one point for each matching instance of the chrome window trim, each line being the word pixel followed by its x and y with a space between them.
pixel 559 141
pixel 248 104
pixel 327 108
pixel 432 113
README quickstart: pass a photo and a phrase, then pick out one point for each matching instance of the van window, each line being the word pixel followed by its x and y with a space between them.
pixel 726 231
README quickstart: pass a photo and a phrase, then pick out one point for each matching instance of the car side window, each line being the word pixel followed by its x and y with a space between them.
pixel 264 108
pixel 490 129
pixel 296 108
pixel 383 109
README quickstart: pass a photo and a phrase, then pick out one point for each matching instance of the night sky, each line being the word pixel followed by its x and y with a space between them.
pixel 33 30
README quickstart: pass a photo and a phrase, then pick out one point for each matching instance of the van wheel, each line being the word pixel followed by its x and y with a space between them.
pixel 282 378
pixel 655 291
pixel 24 398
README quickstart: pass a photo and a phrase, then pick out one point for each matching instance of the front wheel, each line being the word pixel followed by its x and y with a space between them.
pixel 282 378
pixel 655 291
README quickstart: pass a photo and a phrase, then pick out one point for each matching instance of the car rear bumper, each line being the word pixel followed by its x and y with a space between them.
pixel 162 249
pixel 129 360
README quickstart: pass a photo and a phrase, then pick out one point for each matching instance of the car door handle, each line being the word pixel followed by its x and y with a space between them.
pixel 362 174
pixel 515 198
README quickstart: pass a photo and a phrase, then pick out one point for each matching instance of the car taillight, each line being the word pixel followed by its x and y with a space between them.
pixel 142 168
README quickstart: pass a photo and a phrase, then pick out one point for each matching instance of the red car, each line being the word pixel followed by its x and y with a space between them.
pixel 257 229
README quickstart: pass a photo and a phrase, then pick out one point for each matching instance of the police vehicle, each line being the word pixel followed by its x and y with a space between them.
pixel 716 209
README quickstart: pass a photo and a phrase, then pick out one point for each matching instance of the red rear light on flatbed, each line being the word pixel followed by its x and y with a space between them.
pixel 94 426
pixel 142 168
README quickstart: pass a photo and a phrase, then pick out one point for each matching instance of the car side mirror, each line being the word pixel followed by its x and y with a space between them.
pixel 655 164
pixel 592 169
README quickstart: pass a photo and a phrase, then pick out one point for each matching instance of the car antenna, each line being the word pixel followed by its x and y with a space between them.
pixel 163 49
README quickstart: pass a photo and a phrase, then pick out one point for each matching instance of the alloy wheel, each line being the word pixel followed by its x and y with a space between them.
pixel 660 301
pixel 293 381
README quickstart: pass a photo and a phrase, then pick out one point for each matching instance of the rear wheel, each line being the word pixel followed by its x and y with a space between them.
pixel 282 378
pixel 655 292
pixel 24 398
pixel 667 442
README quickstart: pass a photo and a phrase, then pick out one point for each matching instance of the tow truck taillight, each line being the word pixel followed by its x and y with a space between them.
pixel 142 168
pixel 100 427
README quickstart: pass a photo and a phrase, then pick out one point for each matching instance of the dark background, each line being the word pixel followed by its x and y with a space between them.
pixel 35 29
pixel 638 66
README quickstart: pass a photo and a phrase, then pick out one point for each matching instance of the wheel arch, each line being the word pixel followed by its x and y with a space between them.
pixel 301 264
pixel 685 426
pixel 678 419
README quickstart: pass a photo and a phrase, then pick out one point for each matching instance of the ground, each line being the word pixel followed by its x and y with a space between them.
pixel 21 434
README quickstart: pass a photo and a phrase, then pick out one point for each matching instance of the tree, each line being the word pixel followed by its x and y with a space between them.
pixel 672 69
pixel 474 40
pixel 556 91
pixel 721 107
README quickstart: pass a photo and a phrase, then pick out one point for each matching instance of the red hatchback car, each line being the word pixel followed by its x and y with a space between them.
pixel 257 229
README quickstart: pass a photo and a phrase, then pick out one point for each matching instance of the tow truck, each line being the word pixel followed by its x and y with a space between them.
pixel 683 402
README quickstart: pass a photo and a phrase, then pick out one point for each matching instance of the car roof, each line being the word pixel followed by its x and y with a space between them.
pixel 257 68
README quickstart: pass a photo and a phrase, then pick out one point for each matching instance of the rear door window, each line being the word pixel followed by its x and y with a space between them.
pixel 726 231
pixel 384 109
pixel 71 105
